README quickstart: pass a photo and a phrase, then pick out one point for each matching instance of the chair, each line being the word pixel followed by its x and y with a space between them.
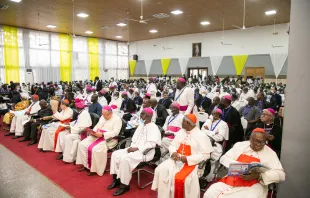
pixel 94 120
pixel 75 114
pixel 156 158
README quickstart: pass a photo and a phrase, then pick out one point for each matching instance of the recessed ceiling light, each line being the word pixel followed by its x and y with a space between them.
pixel 17 1
pixel 153 31
pixel 176 12
pixel 51 26
pixel 88 32
pixel 271 12
pixel 205 23
pixel 121 24
pixel 119 37
pixel 82 15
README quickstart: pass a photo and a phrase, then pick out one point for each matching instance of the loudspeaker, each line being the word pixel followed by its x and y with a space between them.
pixel 135 57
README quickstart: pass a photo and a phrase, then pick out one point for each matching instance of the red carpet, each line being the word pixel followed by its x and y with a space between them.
pixel 66 176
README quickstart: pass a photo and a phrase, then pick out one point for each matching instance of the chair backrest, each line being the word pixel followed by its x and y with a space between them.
pixel 244 123
pixel 124 124
pixel 94 119
pixel 162 132
pixel 75 114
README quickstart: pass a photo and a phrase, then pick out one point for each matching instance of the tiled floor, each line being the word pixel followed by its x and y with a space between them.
pixel 19 180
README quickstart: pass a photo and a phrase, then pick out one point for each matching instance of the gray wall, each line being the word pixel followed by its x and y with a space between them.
pixel 227 67
pixel 261 60
pixel 296 135
pixel 174 68
pixel 200 62
pixel 156 69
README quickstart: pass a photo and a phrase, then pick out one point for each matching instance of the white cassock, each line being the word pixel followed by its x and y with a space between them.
pixel 17 125
pixel 244 96
pixel 185 98
pixel 164 178
pixel 171 125
pixel 48 134
pixel 68 141
pixel 113 84
pixel 79 96
pixel 151 88
pixel 92 151
pixel 267 157
pixel 123 163
pixel 87 97
pixel 236 104
pixel 219 131
pixel 224 94
pixel 117 102
pixel 102 101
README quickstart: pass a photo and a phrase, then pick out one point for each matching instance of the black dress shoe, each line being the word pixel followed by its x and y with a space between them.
pixel 116 183
pixel 24 140
pixel 91 173
pixel 16 137
pixel 82 169
pixel 41 150
pixel 121 191
pixel 60 157
pixel 32 142
pixel 9 134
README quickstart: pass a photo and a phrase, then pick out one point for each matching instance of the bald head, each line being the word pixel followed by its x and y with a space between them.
pixel 43 104
pixel 216 100
pixel 153 102
pixel 250 101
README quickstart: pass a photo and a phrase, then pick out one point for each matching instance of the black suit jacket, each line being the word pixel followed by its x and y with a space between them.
pixel 130 106
pixel 138 100
pixel 276 99
pixel 205 103
pixel 43 113
pixel 210 109
pixel 166 102
pixel 236 133
pixel 107 97
pixel 162 114
pixel 99 85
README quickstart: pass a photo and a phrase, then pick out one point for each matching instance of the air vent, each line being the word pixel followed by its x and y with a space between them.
pixel 105 27
pixel 161 15
pixel 4 7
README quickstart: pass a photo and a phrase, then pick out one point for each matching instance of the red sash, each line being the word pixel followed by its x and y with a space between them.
pixel 113 106
pixel 59 129
pixel 173 129
pixel 179 178
pixel 237 181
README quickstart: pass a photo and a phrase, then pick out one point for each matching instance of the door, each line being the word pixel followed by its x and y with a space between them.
pixel 203 72
pixel 254 72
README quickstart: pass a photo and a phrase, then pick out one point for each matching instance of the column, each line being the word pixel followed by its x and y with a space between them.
pixel 295 155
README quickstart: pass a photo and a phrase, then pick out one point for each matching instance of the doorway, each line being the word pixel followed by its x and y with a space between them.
pixel 203 72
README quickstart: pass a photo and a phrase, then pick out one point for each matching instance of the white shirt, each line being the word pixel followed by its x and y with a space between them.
pixel 102 101
pixel 218 132
pixel 113 84
pixel 3 106
pixel 83 121
pixel 151 88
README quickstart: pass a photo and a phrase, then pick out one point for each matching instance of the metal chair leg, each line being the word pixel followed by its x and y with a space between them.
pixel 139 182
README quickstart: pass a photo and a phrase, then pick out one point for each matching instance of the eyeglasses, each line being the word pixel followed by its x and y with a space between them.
pixel 265 114
pixel 255 141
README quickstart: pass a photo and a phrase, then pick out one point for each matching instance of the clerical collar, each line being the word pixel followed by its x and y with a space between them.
pixel 227 107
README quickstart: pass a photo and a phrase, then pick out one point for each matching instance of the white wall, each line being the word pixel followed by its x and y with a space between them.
pixel 256 40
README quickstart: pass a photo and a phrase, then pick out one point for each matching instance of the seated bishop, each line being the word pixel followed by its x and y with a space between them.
pixel 50 132
pixel 67 142
pixel 177 176
pixel 92 151
pixel 124 161
pixel 255 184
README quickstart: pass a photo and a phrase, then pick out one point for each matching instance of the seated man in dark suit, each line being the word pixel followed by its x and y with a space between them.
pixel 128 106
pixel 165 101
pixel 161 112
pixel 138 100
pixel 31 127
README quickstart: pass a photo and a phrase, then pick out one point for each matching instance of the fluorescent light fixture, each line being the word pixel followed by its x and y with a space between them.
pixel 176 12
pixel 205 23
pixel 119 37
pixel 51 26
pixel 17 1
pixel 153 31
pixel 88 32
pixel 82 15
pixel 270 12
pixel 121 24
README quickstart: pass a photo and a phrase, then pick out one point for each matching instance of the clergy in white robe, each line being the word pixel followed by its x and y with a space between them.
pixel 116 101
pixel 218 131
pixel 177 176
pixel 245 94
pixel 67 142
pixel 172 126
pixel 255 184
pixel 17 124
pixel 102 100
pixel 51 131
pixel 124 161
pixel 88 95
pixel 184 96
pixel 92 151
pixel 151 88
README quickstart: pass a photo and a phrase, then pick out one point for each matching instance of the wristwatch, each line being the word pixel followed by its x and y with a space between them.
pixel 102 135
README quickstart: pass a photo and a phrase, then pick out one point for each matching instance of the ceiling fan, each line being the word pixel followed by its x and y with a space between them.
pixel 166 48
pixel 141 20
pixel 274 28
pixel 40 44
pixel 223 34
pixel 73 20
pixel 243 23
